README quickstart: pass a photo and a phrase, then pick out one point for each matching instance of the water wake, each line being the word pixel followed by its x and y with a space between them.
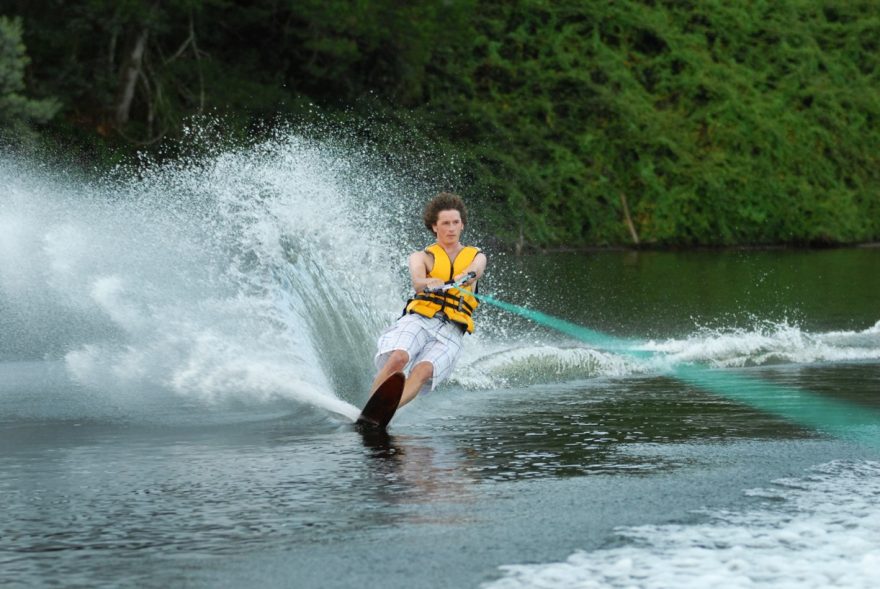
pixel 771 343
pixel 766 343
pixel 817 531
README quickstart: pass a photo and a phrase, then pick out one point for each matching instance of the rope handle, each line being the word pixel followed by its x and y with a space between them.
pixel 451 284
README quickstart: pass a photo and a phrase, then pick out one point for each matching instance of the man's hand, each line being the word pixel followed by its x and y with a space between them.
pixel 432 283
pixel 464 275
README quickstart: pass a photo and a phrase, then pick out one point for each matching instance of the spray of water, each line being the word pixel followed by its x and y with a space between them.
pixel 251 275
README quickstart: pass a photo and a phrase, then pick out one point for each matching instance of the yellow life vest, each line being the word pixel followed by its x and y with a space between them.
pixel 456 304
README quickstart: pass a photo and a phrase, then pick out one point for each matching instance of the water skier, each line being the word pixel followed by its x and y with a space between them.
pixel 428 336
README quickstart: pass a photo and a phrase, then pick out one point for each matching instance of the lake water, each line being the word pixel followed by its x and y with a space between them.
pixel 182 353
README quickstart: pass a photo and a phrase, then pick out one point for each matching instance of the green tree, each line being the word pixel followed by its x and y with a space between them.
pixel 666 122
pixel 678 123
pixel 17 111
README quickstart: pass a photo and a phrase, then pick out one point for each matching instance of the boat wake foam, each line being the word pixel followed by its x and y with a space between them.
pixel 818 531
pixel 491 366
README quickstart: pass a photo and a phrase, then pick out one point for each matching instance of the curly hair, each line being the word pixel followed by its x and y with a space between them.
pixel 444 201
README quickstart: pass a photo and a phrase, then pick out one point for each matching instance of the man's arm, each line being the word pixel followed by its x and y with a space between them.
pixel 420 263
pixel 478 266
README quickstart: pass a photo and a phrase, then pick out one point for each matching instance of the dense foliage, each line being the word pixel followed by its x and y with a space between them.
pixel 578 121
pixel 16 109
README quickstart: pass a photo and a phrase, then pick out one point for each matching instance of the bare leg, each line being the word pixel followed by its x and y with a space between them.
pixel 396 362
pixel 418 376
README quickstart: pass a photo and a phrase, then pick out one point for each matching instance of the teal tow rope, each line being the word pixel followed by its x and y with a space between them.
pixel 839 418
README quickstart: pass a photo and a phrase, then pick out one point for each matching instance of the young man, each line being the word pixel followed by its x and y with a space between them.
pixel 428 336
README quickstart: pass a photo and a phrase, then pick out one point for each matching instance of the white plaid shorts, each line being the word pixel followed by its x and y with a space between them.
pixel 425 340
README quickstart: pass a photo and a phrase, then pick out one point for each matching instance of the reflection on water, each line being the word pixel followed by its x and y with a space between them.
pixel 409 471
pixel 213 491
pixel 600 429
pixel 666 294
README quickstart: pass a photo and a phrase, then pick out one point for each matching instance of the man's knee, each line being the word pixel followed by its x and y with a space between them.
pixel 397 361
pixel 423 370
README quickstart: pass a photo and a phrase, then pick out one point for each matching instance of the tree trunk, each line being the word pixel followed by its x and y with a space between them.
pixel 130 73
pixel 629 221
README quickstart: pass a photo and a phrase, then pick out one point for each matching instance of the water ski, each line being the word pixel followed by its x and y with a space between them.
pixel 381 407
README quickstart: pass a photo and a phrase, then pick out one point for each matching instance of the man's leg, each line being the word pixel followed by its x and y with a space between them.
pixel 418 376
pixel 396 362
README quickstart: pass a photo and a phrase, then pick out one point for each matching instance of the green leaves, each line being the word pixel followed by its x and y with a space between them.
pixel 722 123
pixel 17 111
pixel 717 122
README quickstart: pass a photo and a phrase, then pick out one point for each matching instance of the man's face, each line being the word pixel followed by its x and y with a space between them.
pixel 448 227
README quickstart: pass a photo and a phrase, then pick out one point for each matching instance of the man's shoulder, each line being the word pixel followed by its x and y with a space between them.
pixel 421 255
pixel 476 251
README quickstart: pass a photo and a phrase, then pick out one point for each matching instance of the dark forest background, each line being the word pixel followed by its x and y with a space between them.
pixel 576 123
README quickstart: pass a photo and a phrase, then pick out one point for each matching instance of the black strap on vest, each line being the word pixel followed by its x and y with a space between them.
pixel 442 298
pixel 445 299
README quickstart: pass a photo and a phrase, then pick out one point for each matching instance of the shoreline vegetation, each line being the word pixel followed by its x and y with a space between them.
pixel 571 125
pixel 645 248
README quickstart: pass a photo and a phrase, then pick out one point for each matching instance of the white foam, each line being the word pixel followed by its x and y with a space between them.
pixel 491 363
pixel 767 343
pixel 819 531
pixel 526 364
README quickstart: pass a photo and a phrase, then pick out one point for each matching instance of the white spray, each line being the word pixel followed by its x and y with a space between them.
pixel 249 275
